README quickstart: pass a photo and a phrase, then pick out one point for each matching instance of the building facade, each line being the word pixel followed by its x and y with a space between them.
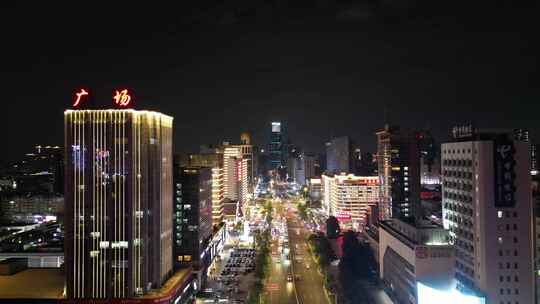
pixel 215 162
pixel 276 146
pixel 315 189
pixel 411 254
pixel 399 174
pixel 349 197
pixel 118 185
pixel 192 219
pixel 487 208
pixel 339 155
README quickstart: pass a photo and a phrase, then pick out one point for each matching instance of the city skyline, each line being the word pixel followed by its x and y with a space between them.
pixel 370 70
pixel 276 151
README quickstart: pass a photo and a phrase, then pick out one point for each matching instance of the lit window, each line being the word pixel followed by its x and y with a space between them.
pixel 500 240
pixel 180 258
pixel 187 258
pixel 499 214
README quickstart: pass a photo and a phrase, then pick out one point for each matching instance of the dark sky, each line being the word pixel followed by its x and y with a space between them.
pixel 325 69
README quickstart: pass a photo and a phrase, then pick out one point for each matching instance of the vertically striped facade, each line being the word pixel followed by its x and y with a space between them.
pixel 118 185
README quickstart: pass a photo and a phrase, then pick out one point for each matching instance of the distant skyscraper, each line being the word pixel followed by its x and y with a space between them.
pixel 430 164
pixel 276 146
pixel 118 198
pixel 339 155
pixel 398 159
pixel 304 168
pixel 487 209
pixel 192 218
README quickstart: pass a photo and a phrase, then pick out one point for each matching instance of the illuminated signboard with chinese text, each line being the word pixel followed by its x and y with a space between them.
pixel 463 131
pixel 122 98
pixel 79 97
pixel 503 158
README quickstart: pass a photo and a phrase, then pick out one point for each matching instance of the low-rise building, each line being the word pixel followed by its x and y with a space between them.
pixel 409 254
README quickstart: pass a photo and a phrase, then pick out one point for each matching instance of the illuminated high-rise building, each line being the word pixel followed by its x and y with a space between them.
pixel 235 172
pixel 487 208
pixel 398 159
pixel 118 194
pixel 276 147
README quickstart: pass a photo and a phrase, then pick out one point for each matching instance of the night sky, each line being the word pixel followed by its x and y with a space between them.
pixel 324 69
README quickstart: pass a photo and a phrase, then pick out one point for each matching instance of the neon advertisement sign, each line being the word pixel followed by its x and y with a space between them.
pixel 79 96
pixel 122 98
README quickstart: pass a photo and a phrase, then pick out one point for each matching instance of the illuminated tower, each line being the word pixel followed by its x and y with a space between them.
pixel 487 208
pixel 276 146
pixel 118 194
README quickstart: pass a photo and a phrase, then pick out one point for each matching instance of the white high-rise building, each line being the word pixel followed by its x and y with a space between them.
pixel 230 172
pixel 235 172
pixel 487 208
pixel 348 197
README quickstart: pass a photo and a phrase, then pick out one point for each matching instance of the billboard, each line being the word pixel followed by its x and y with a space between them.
pixel 504 176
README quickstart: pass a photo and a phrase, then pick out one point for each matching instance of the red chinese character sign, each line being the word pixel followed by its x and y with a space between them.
pixel 122 98
pixel 79 98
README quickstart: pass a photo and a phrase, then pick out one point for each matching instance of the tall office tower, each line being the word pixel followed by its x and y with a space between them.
pixel 118 185
pixel 366 165
pixel 192 218
pixel 399 174
pixel 488 211
pixel 255 164
pixel 235 171
pixel 263 164
pixel 430 164
pixel 339 155
pixel 247 154
pixel 304 168
pixel 230 171
pixel 276 146
pixel 293 167
pixel 215 162
pixel 349 197
pixel 243 180
pixel 536 234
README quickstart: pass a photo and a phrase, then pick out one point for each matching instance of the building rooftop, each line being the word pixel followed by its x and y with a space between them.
pixel 428 234
pixel 38 283
pixel 176 281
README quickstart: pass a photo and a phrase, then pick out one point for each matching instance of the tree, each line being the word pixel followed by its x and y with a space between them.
pixel 302 211
pixel 332 227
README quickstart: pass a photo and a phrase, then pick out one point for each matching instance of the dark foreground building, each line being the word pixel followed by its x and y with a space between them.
pixel 118 185
pixel 193 219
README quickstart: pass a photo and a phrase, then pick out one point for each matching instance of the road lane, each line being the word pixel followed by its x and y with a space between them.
pixel 310 285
